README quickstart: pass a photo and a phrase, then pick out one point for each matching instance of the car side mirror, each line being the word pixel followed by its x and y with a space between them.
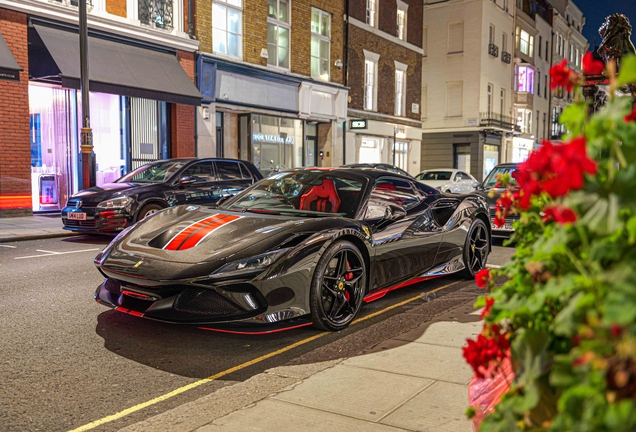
pixel 187 180
pixel 476 185
pixel 394 213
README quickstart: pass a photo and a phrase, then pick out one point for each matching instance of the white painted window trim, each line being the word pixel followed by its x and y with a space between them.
pixel 374 58
pixel 402 6
pixel 288 26
pixel 241 9
pixel 375 13
pixel 324 38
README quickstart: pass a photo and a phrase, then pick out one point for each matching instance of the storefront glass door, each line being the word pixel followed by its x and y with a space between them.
pixel 277 143
pixel 370 151
pixel 54 146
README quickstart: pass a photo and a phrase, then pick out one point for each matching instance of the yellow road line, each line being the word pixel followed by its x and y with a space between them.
pixel 196 384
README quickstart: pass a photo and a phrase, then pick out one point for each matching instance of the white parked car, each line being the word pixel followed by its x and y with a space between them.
pixel 449 180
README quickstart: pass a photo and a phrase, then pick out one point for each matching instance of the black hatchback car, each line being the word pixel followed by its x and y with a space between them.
pixel 484 190
pixel 114 206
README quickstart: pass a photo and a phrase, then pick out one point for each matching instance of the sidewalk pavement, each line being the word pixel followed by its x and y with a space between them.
pixel 417 381
pixel 32 228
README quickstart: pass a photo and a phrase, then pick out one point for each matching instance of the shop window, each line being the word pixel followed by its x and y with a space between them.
pixel 461 159
pixel 227 27
pixel 276 143
pixel 228 170
pixel 491 158
pixel 401 155
pixel 320 44
pixel 278 33
pixel 156 13
pixel 370 151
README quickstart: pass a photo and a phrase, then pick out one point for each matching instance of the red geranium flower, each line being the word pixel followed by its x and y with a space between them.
pixel 591 66
pixel 616 330
pixel 561 215
pixel 480 353
pixel 482 277
pixel 499 221
pixel 631 117
pixel 486 312
pixel 562 76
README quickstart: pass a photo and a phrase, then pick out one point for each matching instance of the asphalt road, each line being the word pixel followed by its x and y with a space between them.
pixel 66 361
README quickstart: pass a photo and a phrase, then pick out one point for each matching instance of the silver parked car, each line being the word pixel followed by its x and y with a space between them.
pixel 449 180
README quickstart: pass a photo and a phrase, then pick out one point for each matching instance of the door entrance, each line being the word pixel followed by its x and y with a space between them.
pixel 148 131
pixel 219 135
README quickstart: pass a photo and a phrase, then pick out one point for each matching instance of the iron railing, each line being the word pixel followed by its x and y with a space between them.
pixel 491 119
pixel 157 13
pixel 493 50
pixel 506 57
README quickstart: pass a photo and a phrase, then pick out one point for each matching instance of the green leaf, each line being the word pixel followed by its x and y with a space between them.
pixel 621 416
pixel 565 323
pixel 631 230
pixel 627 74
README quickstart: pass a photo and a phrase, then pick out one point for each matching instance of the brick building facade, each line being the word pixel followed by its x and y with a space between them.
pixel 15 163
pixel 384 78
pixel 134 121
pixel 265 92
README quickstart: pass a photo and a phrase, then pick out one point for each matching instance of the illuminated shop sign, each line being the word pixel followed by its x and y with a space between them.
pixel 272 139
pixel 358 124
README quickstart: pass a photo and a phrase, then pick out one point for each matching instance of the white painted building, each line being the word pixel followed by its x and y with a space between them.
pixel 467 74
pixel 569 43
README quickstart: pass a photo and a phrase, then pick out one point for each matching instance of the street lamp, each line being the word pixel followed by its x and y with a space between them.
pixel 88 157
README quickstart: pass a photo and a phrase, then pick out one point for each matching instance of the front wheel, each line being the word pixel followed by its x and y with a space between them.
pixel 338 286
pixel 148 210
pixel 476 248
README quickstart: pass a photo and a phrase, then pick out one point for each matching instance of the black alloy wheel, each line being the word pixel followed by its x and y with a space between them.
pixel 338 286
pixel 476 249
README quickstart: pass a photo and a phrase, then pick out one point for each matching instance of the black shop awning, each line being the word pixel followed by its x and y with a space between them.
pixel 113 67
pixel 9 68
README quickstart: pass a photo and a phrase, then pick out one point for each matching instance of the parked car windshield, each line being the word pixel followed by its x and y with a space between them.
pixel 491 180
pixel 435 175
pixel 153 173
pixel 300 193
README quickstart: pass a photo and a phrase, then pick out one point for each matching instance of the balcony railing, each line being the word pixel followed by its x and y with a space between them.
pixel 506 57
pixel 156 13
pixel 493 50
pixel 490 119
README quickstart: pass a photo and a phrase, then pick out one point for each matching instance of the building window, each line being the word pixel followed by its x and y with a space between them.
pixel 539 83
pixel 401 22
pixel 504 42
pixel 400 90
pixel 371 12
pixel 547 50
pixel 454 98
pixel 424 107
pixel 156 13
pixel 425 41
pixel 227 27
pixel 489 99
pixel 502 101
pixel 370 80
pixel 545 86
pixel 540 43
pixel 320 44
pixel 525 79
pixel 536 137
pixel 491 34
pixel 526 42
pixel 401 152
pixel 278 33
pixel 456 37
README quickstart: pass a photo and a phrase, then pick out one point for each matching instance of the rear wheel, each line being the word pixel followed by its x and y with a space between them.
pixel 338 286
pixel 476 249
pixel 148 210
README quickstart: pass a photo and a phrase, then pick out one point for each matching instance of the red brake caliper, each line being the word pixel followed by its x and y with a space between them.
pixel 348 277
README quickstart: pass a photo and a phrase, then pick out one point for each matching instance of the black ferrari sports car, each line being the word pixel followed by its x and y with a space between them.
pixel 308 246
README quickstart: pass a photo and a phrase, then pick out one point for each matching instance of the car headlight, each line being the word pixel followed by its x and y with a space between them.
pixel 249 265
pixel 115 202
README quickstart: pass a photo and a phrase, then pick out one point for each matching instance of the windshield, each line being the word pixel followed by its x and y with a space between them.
pixel 153 173
pixel 435 175
pixel 491 180
pixel 300 193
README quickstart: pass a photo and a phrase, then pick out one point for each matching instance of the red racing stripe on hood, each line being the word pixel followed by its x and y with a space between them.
pixel 199 235
pixel 183 235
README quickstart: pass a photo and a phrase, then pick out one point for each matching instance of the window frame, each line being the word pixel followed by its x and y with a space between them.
pixel 321 38
pixel 227 5
pixel 404 8
pixel 370 59
pixel 278 24
pixel 400 69
pixel 371 15
pixel 460 25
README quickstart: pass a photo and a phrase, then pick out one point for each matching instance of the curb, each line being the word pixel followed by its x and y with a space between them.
pixel 36 237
